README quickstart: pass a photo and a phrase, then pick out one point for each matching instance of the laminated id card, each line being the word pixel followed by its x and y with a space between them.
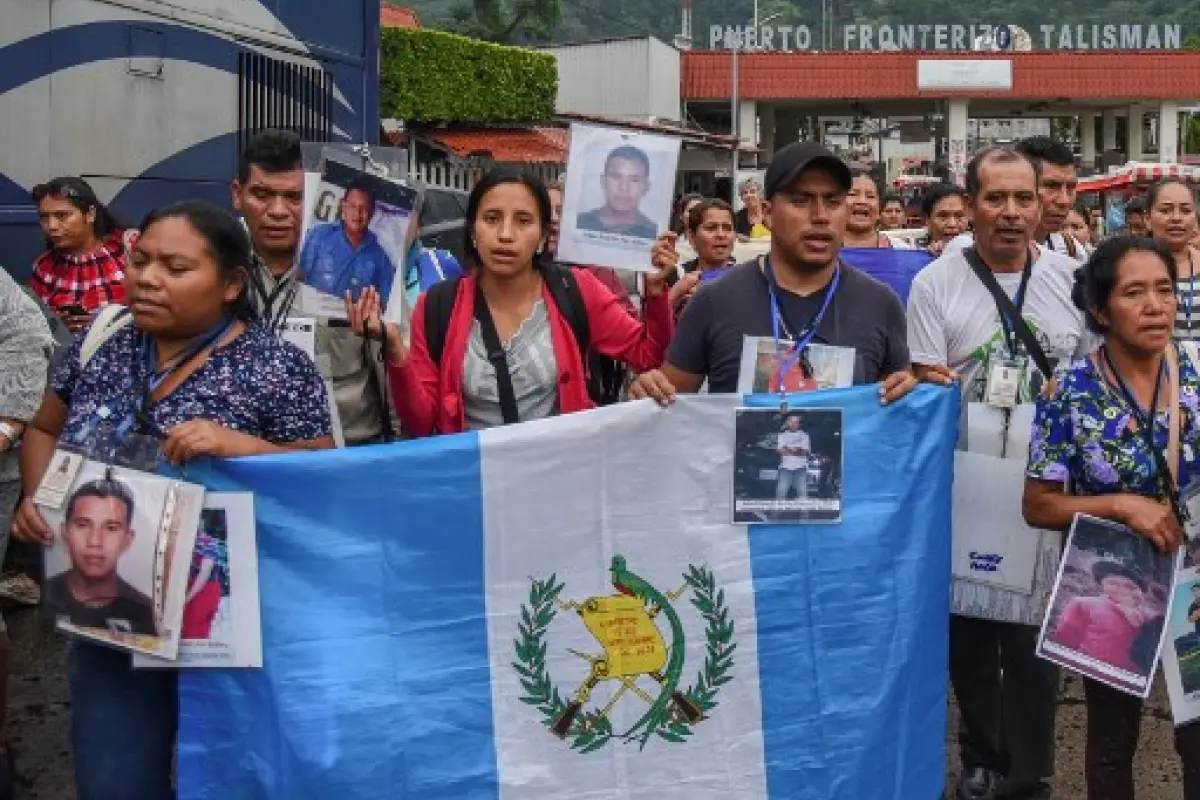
pixel 1003 383
pixel 58 480
pixel 1191 502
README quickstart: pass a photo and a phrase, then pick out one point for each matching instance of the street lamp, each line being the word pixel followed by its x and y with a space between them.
pixel 735 121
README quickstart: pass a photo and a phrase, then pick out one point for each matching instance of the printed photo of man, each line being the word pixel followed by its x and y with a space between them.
pixel 794 447
pixel 345 256
pixel 98 531
pixel 625 182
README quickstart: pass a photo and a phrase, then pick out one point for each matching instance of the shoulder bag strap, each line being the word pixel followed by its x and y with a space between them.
pixel 1006 307
pixel 107 322
pixel 497 357
pixel 439 307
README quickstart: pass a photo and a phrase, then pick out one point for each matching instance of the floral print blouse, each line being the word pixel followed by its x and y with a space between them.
pixel 1087 434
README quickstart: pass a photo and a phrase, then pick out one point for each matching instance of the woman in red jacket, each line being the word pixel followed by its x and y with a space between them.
pixel 505 298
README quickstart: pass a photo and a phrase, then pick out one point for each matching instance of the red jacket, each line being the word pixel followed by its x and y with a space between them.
pixel 429 397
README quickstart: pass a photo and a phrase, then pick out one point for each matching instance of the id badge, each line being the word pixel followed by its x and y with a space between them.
pixel 1003 384
pixel 59 478
pixel 1191 502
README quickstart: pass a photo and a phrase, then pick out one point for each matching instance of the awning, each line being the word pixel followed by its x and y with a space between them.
pixel 1140 174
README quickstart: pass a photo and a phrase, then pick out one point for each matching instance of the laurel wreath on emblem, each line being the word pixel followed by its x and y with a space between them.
pixel 590 730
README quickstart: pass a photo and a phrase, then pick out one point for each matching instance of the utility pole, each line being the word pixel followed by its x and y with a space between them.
pixel 735 120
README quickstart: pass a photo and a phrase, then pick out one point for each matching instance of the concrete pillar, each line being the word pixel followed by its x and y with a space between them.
pixel 956 136
pixel 1168 132
pixel 1134 133
pixel 766 132
pixel 1109 125
pixel 1087 139
pixel 748 121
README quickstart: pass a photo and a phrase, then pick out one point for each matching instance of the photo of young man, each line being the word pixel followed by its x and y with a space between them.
pixel 794 446
pixel 625 182
pixel 98 531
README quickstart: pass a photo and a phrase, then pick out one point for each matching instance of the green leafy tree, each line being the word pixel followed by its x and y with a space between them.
pixel 507 21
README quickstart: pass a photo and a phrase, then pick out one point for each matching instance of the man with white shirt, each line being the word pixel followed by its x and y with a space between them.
pixel 956 319
pixel 1058 184
pixel 793 446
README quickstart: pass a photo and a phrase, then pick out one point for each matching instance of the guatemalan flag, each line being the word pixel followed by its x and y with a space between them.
pixel 562 609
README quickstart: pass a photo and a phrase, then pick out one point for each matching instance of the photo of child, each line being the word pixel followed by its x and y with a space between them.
pixel 1109 609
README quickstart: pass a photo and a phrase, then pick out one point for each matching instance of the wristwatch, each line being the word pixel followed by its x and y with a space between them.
pixel 11 433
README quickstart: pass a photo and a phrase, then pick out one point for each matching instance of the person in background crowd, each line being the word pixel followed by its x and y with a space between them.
pixel 225 389
pixel 1080 440
pixel 944 207
pixel 1137 222
pixel 806 190
pixel 1077 228
pixel 682 209
pixel 25 348
pixel 1173 225
pixel 1058 185
pixel 507 296
pixel 1006 694
pixel 269 193
pixel 1095 218
pixel 750 221
pixel 83 268
pixel 862 222
pixel 712 228
pixel 892 216
pixel 606 275
pixel 345 255
pixel 426 266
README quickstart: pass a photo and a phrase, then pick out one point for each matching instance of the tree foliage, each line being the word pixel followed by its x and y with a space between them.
pixel 507 21
pixel 433 76
pixel 593 19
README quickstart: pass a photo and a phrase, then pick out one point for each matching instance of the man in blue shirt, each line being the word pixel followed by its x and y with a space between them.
pixel 346 256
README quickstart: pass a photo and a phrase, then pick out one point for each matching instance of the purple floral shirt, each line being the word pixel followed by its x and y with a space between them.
pixel 1086 433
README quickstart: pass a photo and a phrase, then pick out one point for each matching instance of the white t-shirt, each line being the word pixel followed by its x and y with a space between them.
pixel 794 439
pixel 953 320
pixel 1056 243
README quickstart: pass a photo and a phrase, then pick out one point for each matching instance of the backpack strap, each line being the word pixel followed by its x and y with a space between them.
pixel 564 288
pixel 439 306
pixel 105 325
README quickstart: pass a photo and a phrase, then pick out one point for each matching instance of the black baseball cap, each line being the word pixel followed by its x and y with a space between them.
pixel 788 163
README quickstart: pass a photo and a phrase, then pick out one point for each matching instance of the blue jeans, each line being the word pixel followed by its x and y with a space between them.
pixel 123 724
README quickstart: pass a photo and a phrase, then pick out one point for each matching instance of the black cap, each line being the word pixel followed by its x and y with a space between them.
pixel 788 163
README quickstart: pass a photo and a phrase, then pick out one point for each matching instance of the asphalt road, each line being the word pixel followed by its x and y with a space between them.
pixel 38 723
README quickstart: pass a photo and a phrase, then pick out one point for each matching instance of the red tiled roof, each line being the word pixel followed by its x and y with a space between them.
pixel 398 17
pixel 506 145
pixel 864 76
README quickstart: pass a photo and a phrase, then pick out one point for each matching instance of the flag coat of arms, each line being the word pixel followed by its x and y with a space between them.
pixel 562 609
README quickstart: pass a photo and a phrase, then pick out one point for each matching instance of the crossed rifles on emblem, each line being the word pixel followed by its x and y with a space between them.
pixel 633 646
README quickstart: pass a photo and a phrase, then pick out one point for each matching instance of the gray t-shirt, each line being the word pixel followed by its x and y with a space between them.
pixel 531 364
pixel 864 314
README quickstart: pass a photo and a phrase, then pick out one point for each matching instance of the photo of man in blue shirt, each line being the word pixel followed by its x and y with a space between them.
pixel 345 255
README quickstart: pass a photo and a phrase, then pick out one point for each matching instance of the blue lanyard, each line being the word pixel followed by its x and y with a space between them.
pixel 1191 303
pixel 1009 325
pixel 152 378
pixel 803 337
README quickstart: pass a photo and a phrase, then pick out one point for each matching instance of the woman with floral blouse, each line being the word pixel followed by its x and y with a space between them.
pixel 1097 433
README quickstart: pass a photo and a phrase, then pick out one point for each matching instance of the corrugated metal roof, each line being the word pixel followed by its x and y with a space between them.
pixel 1152 74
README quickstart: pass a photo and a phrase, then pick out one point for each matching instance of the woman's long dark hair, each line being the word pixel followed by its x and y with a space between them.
pixel 499 176
pixel 1095 280
pixel 80 194
pixel 224 238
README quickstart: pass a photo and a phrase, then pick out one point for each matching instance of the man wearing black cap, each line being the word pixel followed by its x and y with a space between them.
pixel 805 204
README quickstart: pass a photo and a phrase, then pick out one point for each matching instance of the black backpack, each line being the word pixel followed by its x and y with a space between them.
pixel 606 376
